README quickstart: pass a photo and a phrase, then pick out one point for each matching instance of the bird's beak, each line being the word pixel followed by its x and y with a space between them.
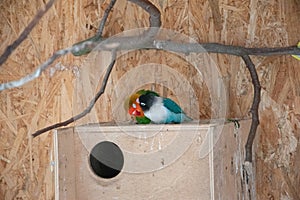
pixel 131 111
pixel 135 112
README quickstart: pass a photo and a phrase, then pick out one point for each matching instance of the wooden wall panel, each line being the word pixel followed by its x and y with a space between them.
pixel 25 163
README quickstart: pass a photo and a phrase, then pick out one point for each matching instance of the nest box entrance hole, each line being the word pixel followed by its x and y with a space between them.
pixel 106 159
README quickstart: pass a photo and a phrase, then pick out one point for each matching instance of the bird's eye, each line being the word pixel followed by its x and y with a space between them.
pixel 133 105
pixel 143 104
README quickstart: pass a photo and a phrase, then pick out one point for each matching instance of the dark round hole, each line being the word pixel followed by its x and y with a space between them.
pixel 106 159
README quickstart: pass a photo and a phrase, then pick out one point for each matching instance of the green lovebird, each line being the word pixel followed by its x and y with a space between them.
pixel 161 110
pixel 147 106
pixel 136 110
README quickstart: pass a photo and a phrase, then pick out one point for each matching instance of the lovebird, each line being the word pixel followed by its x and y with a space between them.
pixel 135 108
pixel 161 110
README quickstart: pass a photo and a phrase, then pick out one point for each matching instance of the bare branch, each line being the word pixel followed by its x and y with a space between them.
pixel 254 107
pixel 25 33
pixel 154 13
pixel 141 41
pixel 91 105
pixel 222 48
pixel 36 73
pixel 104 18
pixel 87 45
pixel 126 43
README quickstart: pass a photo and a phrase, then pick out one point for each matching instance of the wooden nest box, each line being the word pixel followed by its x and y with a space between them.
pixel 178 161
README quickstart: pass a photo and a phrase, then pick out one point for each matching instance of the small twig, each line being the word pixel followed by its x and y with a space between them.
pixel 141 41
pixel 154 13
pixel 91 105
pixel 25 33
pixel 254 108
pixel 104 18
pixel 36 73
pixel 87 45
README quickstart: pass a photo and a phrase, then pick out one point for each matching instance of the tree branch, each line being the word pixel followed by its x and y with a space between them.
pixel 36 73
pixel 127 43
pixel 80 47
pixel 254 108
pixel 87 45
pixel 91 105
pixel 223 49
pixel 25 32
pixel 154 13
pixel 124 43
pixel 104 18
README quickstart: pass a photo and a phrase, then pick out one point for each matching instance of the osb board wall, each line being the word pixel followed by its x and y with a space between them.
pixel 25 167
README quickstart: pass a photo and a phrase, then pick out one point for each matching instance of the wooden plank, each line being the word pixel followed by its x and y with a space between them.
pixel 66 168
